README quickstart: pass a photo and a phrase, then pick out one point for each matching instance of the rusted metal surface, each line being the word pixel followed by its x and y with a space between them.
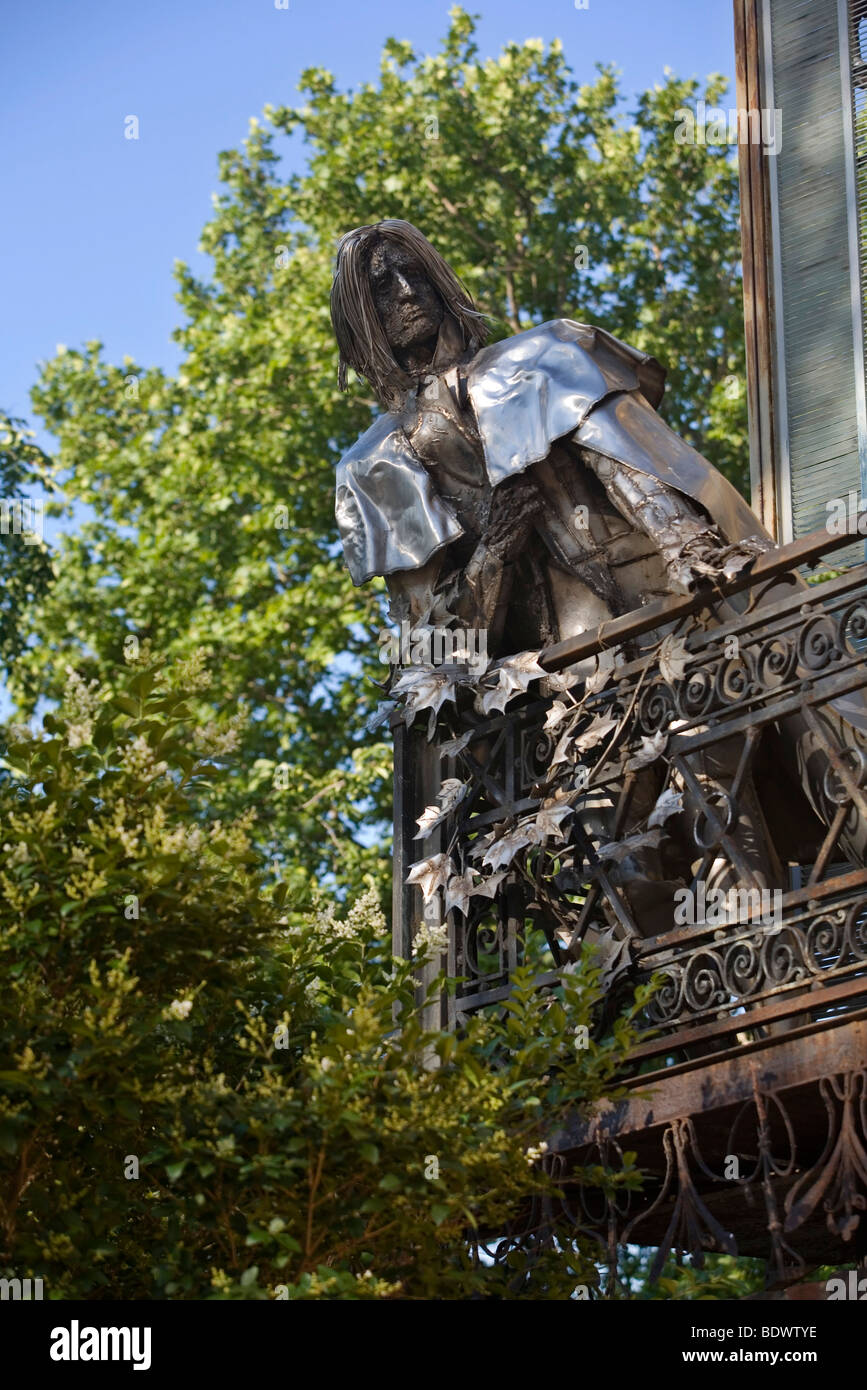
pixel 720 1083
pixel 751 1155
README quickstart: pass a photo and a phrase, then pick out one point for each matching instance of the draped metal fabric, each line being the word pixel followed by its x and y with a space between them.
pixel 388 514
pixel 558 380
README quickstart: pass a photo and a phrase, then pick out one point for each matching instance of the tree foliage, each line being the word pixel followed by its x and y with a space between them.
pixel 204 1094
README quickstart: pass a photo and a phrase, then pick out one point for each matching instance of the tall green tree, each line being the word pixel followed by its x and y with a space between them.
pixel 211 491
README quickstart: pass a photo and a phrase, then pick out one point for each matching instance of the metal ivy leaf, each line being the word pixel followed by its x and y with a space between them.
pixel 595 733
pixel 451 793
pixel 379 715
pixel 618 850
pixel 488 886
pixel 649 750
pixel 459 890
pixel 432 609
pixel 453 746
pixel 555 715
pixel 439 615
pixel 613 957
pixel 498 851
pixel 668 804
pixel 550 816
pixel 503 851
pixel 431 874
pixel 742 553
pixel 424 688
pixel 673 658
pixel 606 665
pixel 496 831
pixel 564 750
pixel 513 677
pixel 464 886
pixel 479 664
pixel 561 681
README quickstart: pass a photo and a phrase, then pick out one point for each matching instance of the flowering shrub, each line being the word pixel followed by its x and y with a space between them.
pixel 203 1090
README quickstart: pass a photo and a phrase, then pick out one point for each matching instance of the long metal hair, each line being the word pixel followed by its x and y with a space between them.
pixel 357 327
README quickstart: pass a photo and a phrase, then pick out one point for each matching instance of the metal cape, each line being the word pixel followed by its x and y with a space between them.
pixel 527 392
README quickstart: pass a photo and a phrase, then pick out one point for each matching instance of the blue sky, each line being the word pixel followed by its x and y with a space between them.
pixel 94 222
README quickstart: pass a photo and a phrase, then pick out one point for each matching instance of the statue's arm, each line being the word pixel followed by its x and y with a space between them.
pixel 691 546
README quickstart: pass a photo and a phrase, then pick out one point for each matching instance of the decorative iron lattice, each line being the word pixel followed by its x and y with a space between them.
pixel 723 687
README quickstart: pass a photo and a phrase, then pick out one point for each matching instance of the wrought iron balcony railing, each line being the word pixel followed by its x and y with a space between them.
pixel 747 690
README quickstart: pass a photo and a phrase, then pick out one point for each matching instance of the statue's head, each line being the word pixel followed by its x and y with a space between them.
pixel 391 297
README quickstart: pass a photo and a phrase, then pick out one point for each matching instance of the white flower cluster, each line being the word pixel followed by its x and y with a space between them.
pixel 17 854
pixel 217 740
pixel 431 939
pixel 365 913
pixel 325 923
pixel 535 1152
pixel 189 673
pixel 138 760
pixel 127 835
pixel 179 1008
pixel 184 837
pixel 137 651
pixel 81 700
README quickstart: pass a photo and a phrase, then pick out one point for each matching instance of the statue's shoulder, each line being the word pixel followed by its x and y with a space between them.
pixel 388 513
pixel 541 385
pixel 384 438
pixel 579 349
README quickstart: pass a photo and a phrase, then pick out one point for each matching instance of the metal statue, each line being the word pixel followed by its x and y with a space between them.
pixel 533 477
pixel 530 489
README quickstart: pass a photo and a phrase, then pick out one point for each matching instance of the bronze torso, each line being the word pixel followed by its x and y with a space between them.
pixel 441 428
pixel 578 531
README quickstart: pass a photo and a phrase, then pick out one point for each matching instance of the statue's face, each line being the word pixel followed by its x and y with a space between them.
pixel 409 308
